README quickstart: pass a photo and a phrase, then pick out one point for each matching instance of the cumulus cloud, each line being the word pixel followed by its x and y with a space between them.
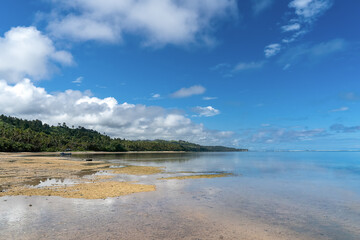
pixel 188 92
pixel 248 66
pixel 104 115
pixel 83 28
pixel 272 50
pixel 261 5
pixel 26 52
pixel 160 22
pixel 208 111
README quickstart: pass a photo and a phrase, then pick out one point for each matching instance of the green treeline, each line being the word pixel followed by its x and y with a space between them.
pixel 18 135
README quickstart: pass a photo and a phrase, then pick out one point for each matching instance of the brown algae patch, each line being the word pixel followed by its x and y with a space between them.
pixel 137 170
pixel 198 176
pixel 95 190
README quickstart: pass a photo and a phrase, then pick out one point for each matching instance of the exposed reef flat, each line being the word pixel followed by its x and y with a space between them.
pixel 137 170
pixel 92 190
pixel 24 174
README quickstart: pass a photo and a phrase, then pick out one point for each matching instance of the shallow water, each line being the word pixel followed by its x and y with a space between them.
pixel 295 195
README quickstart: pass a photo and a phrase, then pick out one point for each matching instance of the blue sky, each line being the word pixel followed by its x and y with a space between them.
pixel 260 74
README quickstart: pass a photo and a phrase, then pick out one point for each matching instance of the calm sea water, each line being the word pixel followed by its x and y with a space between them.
pixel 286 195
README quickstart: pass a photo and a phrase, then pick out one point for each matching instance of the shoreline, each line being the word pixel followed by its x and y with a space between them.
pixel 85 153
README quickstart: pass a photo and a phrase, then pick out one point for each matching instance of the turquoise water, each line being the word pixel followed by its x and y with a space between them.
pixel 284 195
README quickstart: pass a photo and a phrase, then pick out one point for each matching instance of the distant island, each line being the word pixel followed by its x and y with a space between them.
pixel 18 135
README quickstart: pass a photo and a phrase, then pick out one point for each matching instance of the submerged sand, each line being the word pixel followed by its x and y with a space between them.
pixel 197 176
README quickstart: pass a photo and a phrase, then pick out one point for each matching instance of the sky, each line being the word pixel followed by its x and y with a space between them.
pixel 256 74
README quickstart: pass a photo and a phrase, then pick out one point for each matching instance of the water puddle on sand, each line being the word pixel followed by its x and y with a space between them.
pixel 117 166
pixel 100 175
pixel 53 182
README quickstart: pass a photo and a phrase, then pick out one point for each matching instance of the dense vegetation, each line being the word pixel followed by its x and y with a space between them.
pixel 18 135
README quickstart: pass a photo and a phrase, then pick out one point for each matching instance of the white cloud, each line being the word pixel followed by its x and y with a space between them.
pixel 78 80
pixel 83 28
pixel 188 92
pixel 209 98
pixel 261 5
pixel 155 96
pixel 342 109
pixel 309 10
pixel 272 50
pixel 104 115
pixel 294 36
pixel 291 27
pixel 247 66
pixel 160 22
pixel 304 13
pixel 208 111
pixel 25 52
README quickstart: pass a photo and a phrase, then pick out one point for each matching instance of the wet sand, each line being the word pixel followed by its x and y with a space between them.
pixel 19 173
pixel 197 176
pixel 137 170
pixel 18 170
pixel 93 190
